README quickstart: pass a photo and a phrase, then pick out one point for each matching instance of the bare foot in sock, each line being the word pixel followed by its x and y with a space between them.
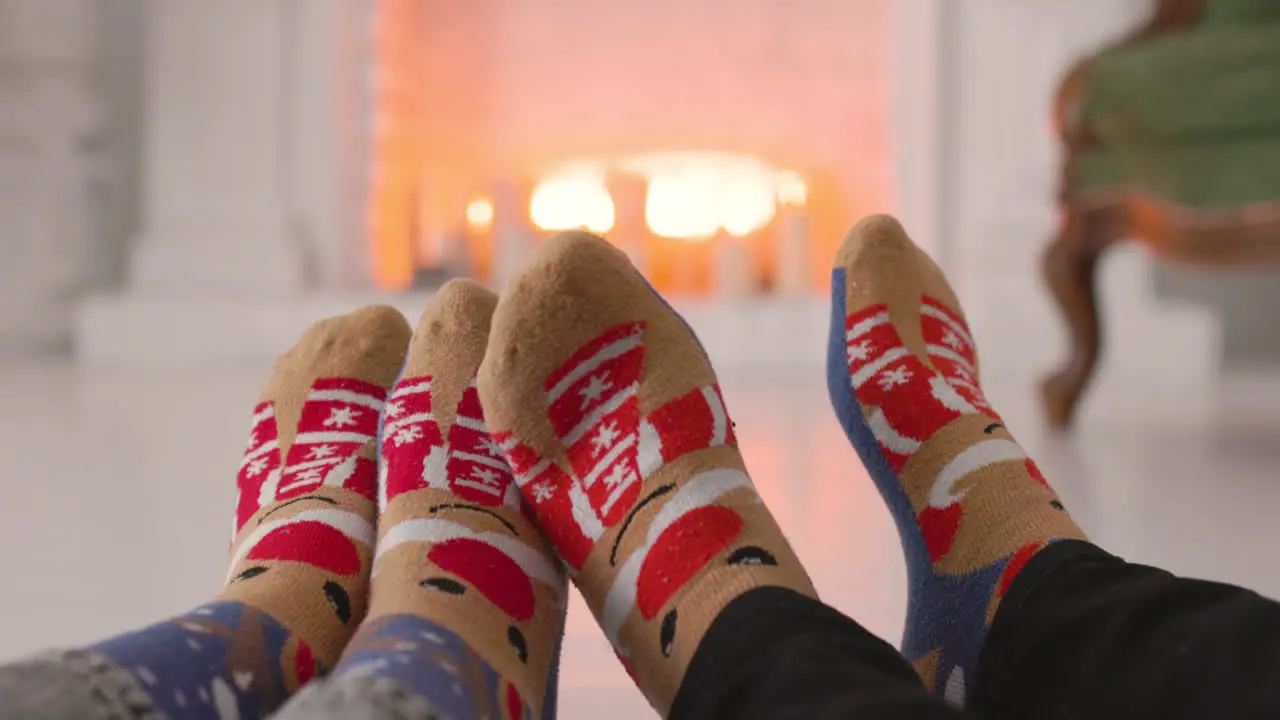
pixel 468 599
pixel 611 416
pixel 970 506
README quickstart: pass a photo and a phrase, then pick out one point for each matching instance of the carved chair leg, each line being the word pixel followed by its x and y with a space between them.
pixel 1070 264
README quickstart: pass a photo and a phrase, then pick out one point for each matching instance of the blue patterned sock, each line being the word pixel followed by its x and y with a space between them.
pixel 970 506
pixel 467 600
pixel 221 660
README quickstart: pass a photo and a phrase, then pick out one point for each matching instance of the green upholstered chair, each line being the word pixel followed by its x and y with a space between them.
pixel 1171 138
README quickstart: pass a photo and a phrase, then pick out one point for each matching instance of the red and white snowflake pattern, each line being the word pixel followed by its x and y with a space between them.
pixel 339 416
pixel 906 402
pixel 593 404
pixel 415 455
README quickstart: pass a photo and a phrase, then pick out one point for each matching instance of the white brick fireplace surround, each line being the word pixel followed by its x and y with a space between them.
pixel 254 199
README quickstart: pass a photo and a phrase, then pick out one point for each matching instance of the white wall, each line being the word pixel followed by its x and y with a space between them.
pixel 70 74
pixel 1005 61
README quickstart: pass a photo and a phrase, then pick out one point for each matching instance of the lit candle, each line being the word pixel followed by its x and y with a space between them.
pixel 630 232
pixel 793 251
pixel 733 276
pixel 513 233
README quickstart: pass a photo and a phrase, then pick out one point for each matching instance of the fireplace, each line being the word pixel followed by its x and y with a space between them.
pixel 723 146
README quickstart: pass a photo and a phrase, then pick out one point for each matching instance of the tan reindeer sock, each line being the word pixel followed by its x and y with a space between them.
pixel 468 599
pixel 971 507
pixel 307 485
pixel 299 576
pixel 610 414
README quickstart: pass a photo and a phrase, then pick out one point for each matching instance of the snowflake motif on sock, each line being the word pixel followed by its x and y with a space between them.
pixel 408 434
pixel 595 389
pixel 543 491
pixel 464 462
pixel 858 351
pixel 605 437
pixel 342 418
pixel 896 377
pixel 609 447
pixel 321 453
pixel 908 402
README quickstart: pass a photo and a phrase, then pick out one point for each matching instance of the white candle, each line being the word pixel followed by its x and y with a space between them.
pixel 513 233
pixel 793 252
pixel 733 277
pixel 630 232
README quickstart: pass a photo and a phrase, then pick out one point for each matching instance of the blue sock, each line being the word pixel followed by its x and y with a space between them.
pixel 219 656
pixel 971 508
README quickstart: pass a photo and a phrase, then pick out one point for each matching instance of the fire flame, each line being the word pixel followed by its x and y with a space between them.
pixel 689 196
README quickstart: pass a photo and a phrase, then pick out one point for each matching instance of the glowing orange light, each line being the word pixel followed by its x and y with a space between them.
pixel 681 206
pixel 480 214
pixel 572 203
pixel 791 189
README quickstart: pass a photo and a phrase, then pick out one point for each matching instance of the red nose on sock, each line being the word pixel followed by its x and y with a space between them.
pixel 1034 471
pixel 515 703
pixel 490 571
pixel 629 666
pixel 304 663
pixel 310 542
pixel 939 527
pixel 1016 563
pixel 683 549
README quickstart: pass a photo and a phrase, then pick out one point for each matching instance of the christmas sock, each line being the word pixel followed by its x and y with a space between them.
pixel 298 581
pixel 468 600
pixel 970 506
pixel 610 414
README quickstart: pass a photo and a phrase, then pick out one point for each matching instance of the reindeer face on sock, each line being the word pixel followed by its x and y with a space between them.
pixel 488 568
pixel 649 505
pixel 704 538
pixel 970 471
pixel 317 543
pixel 957 462
pixel 306 486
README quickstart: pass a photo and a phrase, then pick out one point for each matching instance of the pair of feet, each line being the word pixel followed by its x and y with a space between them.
pixel 574 426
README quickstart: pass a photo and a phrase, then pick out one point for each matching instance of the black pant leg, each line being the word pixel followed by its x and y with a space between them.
pixel 1084 634
pixel 773 654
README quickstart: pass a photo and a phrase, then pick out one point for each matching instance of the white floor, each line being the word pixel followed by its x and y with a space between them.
pixel 117 488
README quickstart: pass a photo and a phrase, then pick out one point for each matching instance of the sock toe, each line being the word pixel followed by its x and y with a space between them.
pixel 970 505
pixel 457 559
pixel 609 412
pixel 576 289
pixel 304 518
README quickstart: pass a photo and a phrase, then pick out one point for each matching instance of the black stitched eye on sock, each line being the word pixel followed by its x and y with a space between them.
pixel 445 585
pixel 1057 505
pixel 338 600
pixel 752 555
pixel 252 572
pixel 516 638
pixel 992 428
pixel 667 634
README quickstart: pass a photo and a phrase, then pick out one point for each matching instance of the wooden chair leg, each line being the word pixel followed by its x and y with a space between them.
pixel 1070 264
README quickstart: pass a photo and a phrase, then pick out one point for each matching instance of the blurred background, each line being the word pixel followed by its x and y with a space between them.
pixel 185 185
